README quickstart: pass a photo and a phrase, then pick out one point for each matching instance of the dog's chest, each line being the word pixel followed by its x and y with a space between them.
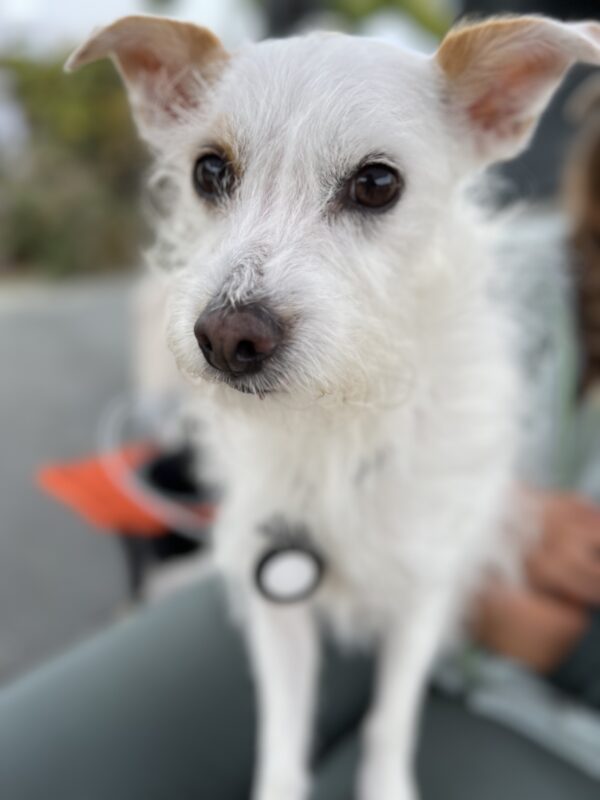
pixel 386 508
pixel 355 510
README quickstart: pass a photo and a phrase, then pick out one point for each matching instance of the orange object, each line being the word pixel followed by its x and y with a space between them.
pixel 89 489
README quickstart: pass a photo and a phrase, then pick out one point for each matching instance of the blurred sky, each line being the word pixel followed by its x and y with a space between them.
pixel 40 26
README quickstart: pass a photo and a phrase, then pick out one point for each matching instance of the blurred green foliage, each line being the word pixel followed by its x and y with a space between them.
pixel 433 15
pixel 69 203
pixel 159 6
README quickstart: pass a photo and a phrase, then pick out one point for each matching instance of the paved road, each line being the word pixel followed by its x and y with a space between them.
pixel 63 356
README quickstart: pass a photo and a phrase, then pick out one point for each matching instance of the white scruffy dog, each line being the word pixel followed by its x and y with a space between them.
pixel 331 300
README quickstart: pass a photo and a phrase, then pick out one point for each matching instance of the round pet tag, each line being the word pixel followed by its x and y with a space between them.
pixel 289 573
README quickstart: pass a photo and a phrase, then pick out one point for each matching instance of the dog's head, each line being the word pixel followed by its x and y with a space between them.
pixel 316 179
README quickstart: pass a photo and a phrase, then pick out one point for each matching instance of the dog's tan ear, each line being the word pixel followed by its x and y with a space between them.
pixel 499 75
pixel 165 65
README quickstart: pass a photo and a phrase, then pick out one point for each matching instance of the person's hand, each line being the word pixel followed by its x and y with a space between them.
pixel 539 624
pixel 566 561
pixel 534 629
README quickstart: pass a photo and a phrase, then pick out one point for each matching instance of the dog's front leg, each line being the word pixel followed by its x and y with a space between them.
pixel 407 651
pixel 284 650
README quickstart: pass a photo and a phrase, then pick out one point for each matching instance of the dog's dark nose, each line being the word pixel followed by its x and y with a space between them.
pixel 239 340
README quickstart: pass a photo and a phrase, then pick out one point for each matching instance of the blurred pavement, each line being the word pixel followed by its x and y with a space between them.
pixel 63 357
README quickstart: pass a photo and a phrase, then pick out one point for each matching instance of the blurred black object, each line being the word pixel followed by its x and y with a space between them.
pixel 575 9
pixel 172 474
pixel 169 475
pixel 283 16
pixel 536 174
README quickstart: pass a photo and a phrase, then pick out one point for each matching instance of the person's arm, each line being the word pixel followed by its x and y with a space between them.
pixel 531 628
pixel 565 564
pixel 550 625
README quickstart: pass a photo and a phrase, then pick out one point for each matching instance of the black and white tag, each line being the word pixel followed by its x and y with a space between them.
pixel 291 569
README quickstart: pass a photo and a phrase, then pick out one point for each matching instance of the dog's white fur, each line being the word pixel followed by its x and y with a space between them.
pixel 388 425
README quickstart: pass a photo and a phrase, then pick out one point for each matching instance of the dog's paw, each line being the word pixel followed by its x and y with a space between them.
pixel 382 777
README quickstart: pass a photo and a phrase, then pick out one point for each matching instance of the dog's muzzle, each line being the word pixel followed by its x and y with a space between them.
pixel 238 341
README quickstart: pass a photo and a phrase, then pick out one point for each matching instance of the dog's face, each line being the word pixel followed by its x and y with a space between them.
pixel 310 198
pixel 315 182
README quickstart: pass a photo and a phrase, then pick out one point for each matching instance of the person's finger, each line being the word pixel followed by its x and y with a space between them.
pixel 564 578
pixel 592 533
pixel 585 549
pixel 582 567
pixel 585 521
pixel 578 538
pixel 572 518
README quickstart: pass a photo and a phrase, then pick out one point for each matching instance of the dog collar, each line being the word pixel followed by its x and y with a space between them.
pixel 290 570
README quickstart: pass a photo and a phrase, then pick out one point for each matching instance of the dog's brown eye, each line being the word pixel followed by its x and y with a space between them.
pixel 213 176
pixel 375 187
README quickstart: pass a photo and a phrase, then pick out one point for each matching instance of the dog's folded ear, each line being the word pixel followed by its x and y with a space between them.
pixel 500 74
pixel 166 66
